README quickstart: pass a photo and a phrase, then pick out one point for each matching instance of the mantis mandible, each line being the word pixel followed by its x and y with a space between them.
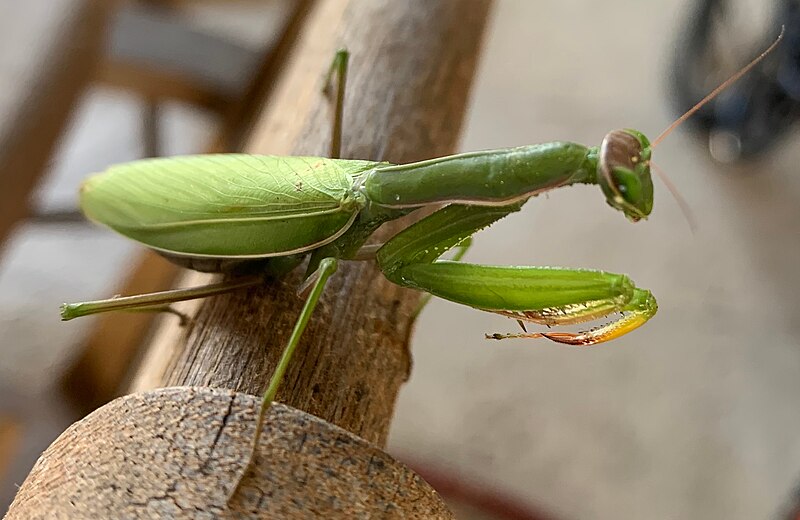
pixel 217 212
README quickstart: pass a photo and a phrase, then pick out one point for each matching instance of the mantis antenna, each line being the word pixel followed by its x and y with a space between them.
pixel 685 208
pixel 711 95
pixel 687 213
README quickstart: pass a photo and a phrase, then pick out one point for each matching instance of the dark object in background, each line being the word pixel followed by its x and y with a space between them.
pixel 792 509
pixel 754 113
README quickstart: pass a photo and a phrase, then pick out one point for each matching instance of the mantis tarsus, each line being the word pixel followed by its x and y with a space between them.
pixel 215 212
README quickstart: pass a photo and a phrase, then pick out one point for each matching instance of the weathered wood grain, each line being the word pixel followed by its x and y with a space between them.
pixel 172 453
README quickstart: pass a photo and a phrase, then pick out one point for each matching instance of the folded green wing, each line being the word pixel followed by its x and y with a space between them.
pixel 227 205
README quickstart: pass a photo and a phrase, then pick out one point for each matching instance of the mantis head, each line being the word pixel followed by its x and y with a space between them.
pixel 623 172
pixel 623 167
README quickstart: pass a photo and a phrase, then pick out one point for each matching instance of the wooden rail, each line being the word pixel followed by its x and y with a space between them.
pixel 178 451
pixel 411 68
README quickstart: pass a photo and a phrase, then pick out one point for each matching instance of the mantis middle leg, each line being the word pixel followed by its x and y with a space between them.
pixel 316 285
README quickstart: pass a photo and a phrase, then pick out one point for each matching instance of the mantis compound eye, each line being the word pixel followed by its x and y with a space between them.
pixel 623 172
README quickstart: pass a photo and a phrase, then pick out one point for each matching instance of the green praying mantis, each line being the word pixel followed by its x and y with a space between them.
pixel 218 212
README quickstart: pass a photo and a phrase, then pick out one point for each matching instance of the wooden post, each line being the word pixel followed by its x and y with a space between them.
pixel 177 452
pixel 411 67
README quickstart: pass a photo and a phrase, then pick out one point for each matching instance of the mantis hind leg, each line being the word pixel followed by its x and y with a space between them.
pixel 339 68
pixel 156 301
pixel 159 301
pixel 313 288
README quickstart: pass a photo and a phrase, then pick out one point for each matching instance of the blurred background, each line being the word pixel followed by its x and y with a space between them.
pixel 693 416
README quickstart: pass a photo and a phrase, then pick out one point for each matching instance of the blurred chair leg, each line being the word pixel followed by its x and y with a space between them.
pixel 65 216
pixel 68 55
pixel 150 134
pixel 150 146
pixel 10 440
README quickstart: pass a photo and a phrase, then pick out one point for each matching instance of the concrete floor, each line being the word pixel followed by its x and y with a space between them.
pixel 692 416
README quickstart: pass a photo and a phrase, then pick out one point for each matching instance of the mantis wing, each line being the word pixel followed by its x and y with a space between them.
pixel 227 205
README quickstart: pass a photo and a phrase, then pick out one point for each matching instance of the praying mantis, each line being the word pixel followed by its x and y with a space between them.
pixel 219 212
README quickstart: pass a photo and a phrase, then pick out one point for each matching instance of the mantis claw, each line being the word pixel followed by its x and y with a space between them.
pixel 527 335
pixel 580 339
pixel 566 338
pixel 641 307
